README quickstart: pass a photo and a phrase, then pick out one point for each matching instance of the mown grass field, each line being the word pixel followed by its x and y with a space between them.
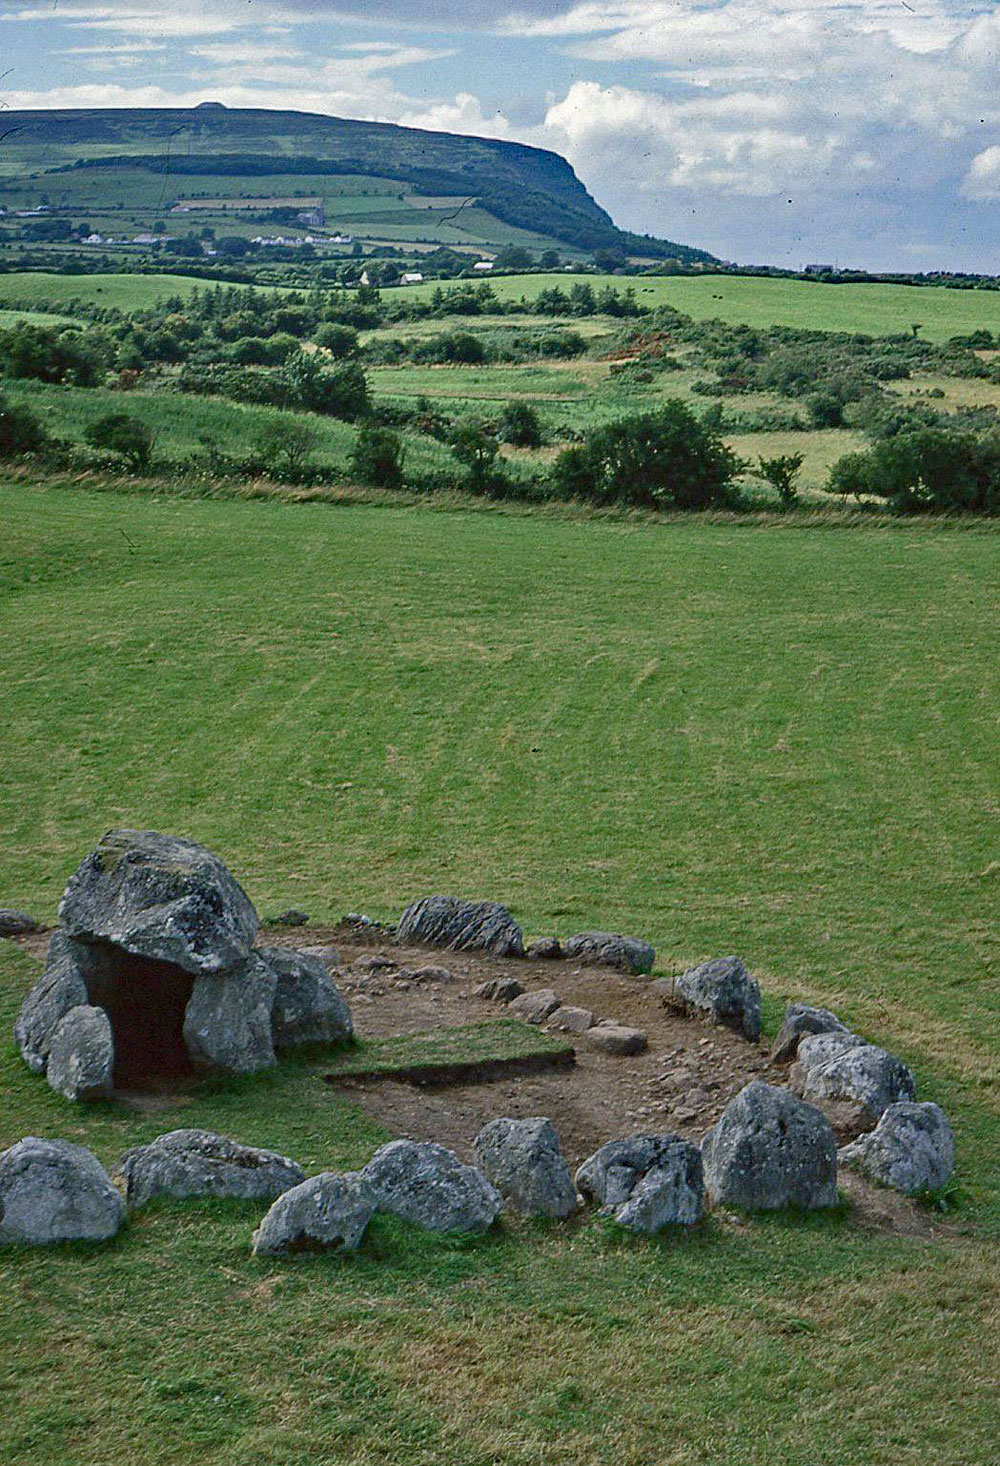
pixel 776 741
pixel 123 292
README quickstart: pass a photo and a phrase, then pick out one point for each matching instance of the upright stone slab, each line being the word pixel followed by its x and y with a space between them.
pixel 327 1213
pixel 185 1163
pixel 646 1182
pixel 447 921
pixel 52 1191
pixel 911 1149
pixel 770 1150
pixel 308 1007
pixel 81 1063
pixel 523 1160
pixel 60 988
pixel 428 1185
pixel 724 990
pixel 227 1025
pixel 610 949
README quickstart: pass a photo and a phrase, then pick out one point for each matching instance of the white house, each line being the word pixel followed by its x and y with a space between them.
pixel 412 277
pixel 483 265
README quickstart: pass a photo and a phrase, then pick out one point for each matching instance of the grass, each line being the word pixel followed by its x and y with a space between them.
pixel 124 292
pixel 495 1041
pixel 719 736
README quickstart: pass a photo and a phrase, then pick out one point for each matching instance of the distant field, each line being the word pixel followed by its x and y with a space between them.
pixel 125 292
pixel 872 309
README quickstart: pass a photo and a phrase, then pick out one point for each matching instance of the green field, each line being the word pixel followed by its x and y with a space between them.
pixel 880 310
pixel 123 292
pixel 723 737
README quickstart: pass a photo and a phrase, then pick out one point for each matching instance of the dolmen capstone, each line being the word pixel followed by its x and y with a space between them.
pixel 911 1149
pixel 186 1163
pixel 646 1182
pixel 447 921
pixel 155 944
pixel 723 990
pixel 770 1150
pixel 52 1191
pixel 523 1160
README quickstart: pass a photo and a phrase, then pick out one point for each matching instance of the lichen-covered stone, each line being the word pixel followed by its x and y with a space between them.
pixel 327 1213
pixel 546 949
pixel 447 921
pixel 616 1038
pixel 16 923
pixel 911 1149
pixel 160 897
pixel 523 1160
pixel 60 988
pixel 227 1024
pixel 610 949
pixel 499 989
pixel 82 1057
pixel 770 1150
pixel 671 1193
pixel 799 1021
pixel 185 1163
pixel 308 1007
pixel 428 1185
pixel 723 989
pixel 52 1191
pixel 860 1073
pixel 535 1007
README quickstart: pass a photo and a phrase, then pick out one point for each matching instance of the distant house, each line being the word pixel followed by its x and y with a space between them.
pixel 483 265
pixel 312 218
pixel 412 277
pixel 92 239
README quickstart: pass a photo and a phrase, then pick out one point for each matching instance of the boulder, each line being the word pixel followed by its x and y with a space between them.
pixel 669 1194
pixel 861 1073
pixel 308 1007
pixel 546 949
pixel 326 1213
pixel 615 1038
pixel 572 1020
pixel 724 989
pixel 799 1020
pixel 770 1150
pixel 499 989
pixel 446 921
pixel 186 1163
pixel 16 923
pixel 227 1023
pixel 60 988
pixel 291 917
pixel 51 1191
pixel 430 973
pixel 911 1149
pixel 611 1174
pixel 535 1007
pixel 82 1057
pixel 610 949
pixel 429 1186
pixel 523 1160
pixel 160 897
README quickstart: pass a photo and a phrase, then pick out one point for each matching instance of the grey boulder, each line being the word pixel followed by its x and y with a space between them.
pixel 308 1007
pixel 911 1149
pixel 610 949
pixel 60 988
pixel 16 923
pixel 523 1160
pixel 645 1181
pixel 52 1191
pixel 82 1057
pixel 227 1023
pixel 327 1213
pixel 568 1019
pixel 546 949
pixel 535 1007
pixel 617 1039
pixel 186 1163
pixel 829 1067
pixel 770 1150
pixel 161 897
pixel 428 1185
pixel 499 989
pixel 446 921
pixel 724 989
pixel 800 1020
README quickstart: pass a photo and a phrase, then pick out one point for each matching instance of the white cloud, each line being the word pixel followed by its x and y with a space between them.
pixel 982 181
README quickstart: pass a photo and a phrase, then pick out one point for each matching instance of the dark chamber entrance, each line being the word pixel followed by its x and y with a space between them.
pixel 145 1001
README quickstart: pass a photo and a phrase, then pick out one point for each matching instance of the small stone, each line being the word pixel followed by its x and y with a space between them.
pixel 571 1020
pixel 615 1038
pixel 52 1191
pixel 327 1213
pixel 535 1007
pixel 82 1057
pixel 610 949
pixel 911 1149
pixel 800 1019
pixel 186 1163
pixel 724 989
pixel 428 1185
pixel 523 1160
pixel 16 923
pixel 291 917
pixel 430 973
pixel 545 950
pixel 499 989
pixel 770 1150
pixel 378 963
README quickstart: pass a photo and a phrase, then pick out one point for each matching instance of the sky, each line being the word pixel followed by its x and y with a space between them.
pixel 861 133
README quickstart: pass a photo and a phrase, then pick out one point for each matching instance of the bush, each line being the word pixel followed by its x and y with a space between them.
pixel 284 443
pixel 262 351
pixel 519 425
pixel 459 346
pixel 932 470
pixel 20 430
pixel 667 458
pixel 377 458
pixel 48 355
pixel 476 450
pixel 340 341
pixel 782 474
pixel 120 432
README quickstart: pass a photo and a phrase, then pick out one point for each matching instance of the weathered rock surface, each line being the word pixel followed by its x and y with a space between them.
pixel 545 949
pixel 308 1007
pixel 724 989
pixel 51 1191
pixel 431 973
pixel 16 923
pixel 446 921
pixel 500 989
pixel 291 917
pixel 615 1038
pixel 227 1024
pixel 911 1149
pixel 523 1160
pixel 428 1185
pixel 610 949
pixel 326 1213
pixel 770 1150
pixel 536 1006
pixel 161 897
pixel 800 1020
pixel 645 1181
pixel 82 1057
pixel 60 988
pixel 568 1019
pixel 862 1073
pixel 186 1163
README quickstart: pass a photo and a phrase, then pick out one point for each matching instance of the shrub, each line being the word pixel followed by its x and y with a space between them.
pixel 782 474
pixel 262 351
pixel 932 470
pixel 519 425
pixel 476 450
pixel 377 457
pixel 20 430
pixel 49 355
pixel 340 341
pixel 284 443
pixel 120 432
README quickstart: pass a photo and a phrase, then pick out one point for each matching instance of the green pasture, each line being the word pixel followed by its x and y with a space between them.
pixel 748 300
pixel 725 737
pixel 123 292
